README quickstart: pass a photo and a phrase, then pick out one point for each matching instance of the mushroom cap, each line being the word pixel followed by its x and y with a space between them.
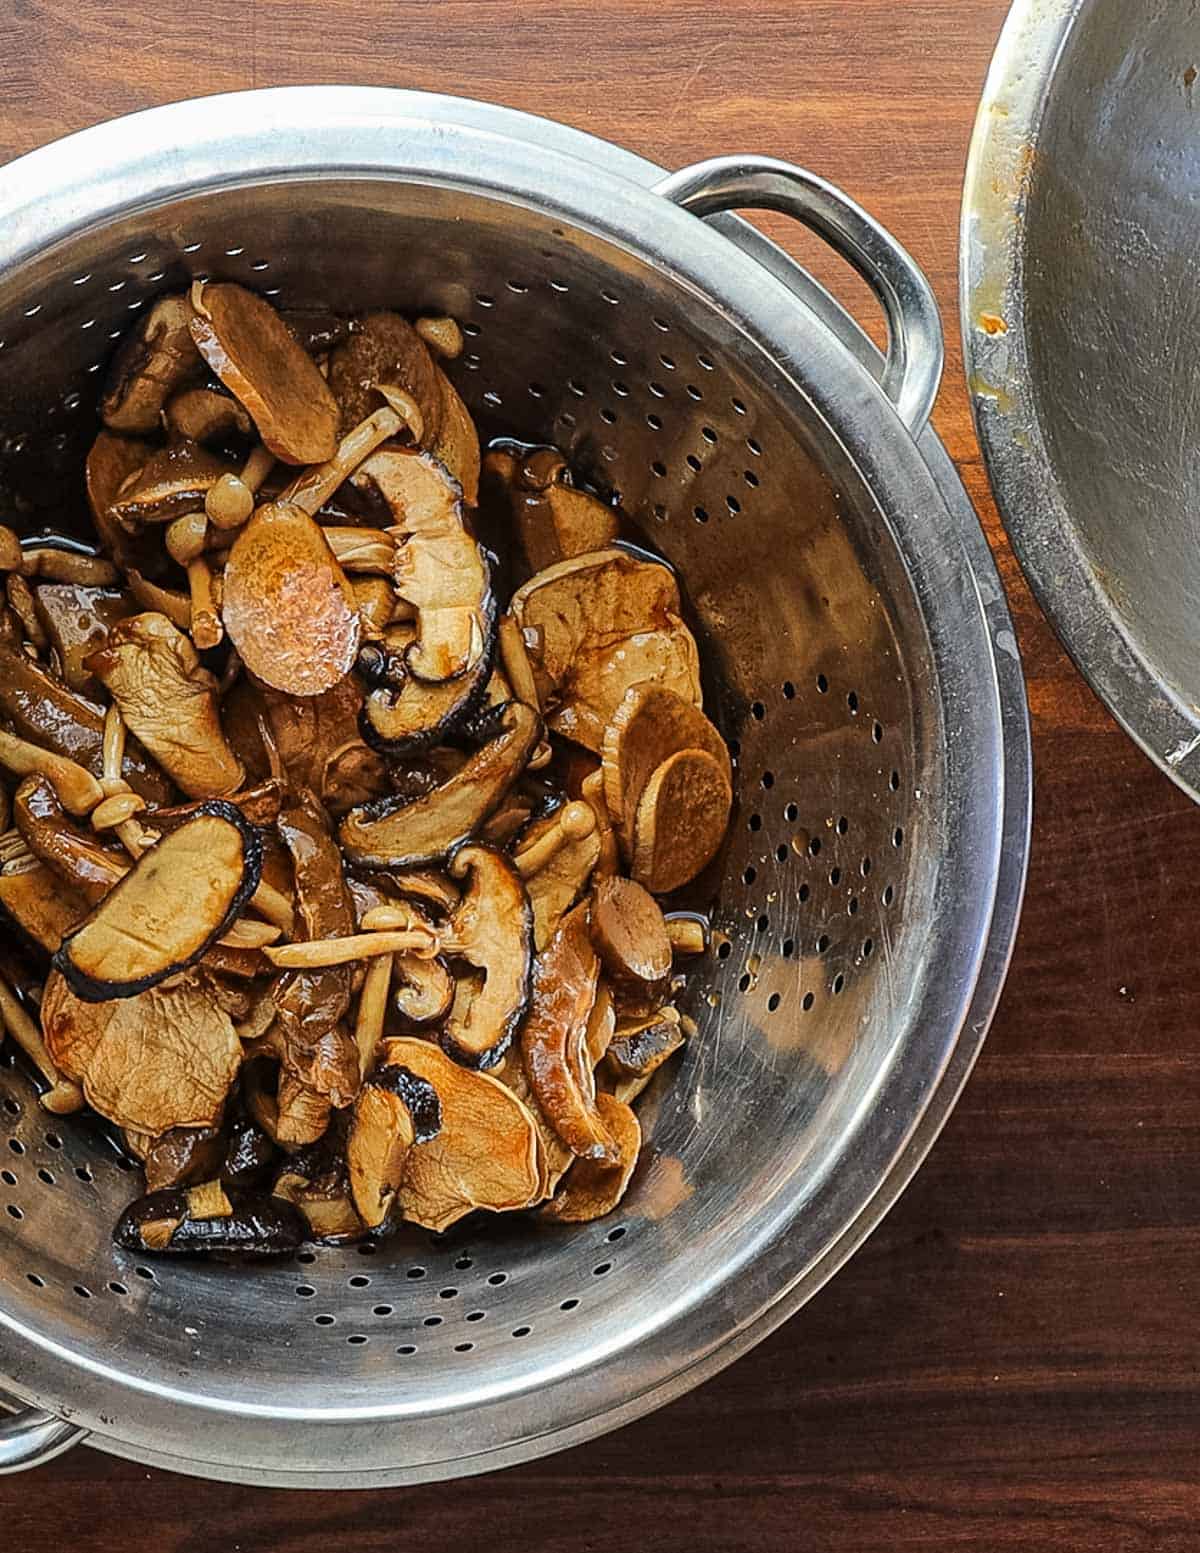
pixel 250 348
pixel 288 607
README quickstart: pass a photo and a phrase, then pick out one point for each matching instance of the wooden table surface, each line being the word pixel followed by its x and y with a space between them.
pixel 1010 1362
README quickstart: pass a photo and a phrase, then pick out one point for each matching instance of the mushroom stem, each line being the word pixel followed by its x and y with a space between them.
pixel 162 601
pixel 573 822
pixel 78 790
pixel 372 1010
pixel 51 564
pixel 321 952
pixel 389 919
pixel 114 743
pixel 515 658
pixel 609 861
pixel 312 489
pixel 64 1096
pixel 687 935
pixel 257 467
pixel 442 335
pixel 206 630
pixel 13 849
pixel 274 906
pixel 20 600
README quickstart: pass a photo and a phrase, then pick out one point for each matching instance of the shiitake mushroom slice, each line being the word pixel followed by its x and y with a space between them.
pixel 173 904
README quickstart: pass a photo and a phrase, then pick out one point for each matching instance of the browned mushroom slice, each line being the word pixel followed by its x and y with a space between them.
pixel 317 1180
pixel 602 1025
pixel 457 442
pixel 555 856
pixel 603 622
pixel 150 364
pixel 639 1049
pixel 224 1221
pixel 173 903
pixel 681 820
pixel 42 906
pixel 260 805
pixel 650 725
pixel 630 933
pixel 424 990
pixel 395 1111
pixel 173 482
pixel 168 700
pixel 554 1040
pixel 288 606
pixel 384 349
pixel 76 619
pixel 166 1058
pixel 183 1156
pixel 395 833
pixel 440 569
pixel 41 709
pixel 77 789
pixel 593 1188
pixel 301 1113
pixel 485 1156
pixel 250 348
pixel 204 415
pixel 77 856
pixel 492 930
pixel 402 714
pixel 318 741
pixel 554 520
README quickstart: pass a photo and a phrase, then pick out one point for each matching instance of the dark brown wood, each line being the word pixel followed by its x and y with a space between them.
pixel 1010 1362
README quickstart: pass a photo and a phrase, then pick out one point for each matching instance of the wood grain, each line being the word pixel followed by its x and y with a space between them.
pixel 1011 1360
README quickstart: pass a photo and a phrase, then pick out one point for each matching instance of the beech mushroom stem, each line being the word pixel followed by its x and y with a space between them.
pixel 321 952
pixel 312 489
pixel 13 849
pixel 78 790
pixel 64 1096
pixel 274 906
pixel 207 630
pixel 257 467
pixel 248 934
pixel 114 743
pixel 687 935
pixel 372 1010
pixel 573 822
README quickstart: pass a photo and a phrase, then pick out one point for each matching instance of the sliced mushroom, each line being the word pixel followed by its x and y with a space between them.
pixel 395 1111
pixel 260 805
pixel 76 856
pixel 395 833
pixel 649 726
pixel 554 520
pixel 630 933
pixel 168 699
pixel 41 709
pixel 602 1025
pixel 150 364
pixel 689 933
pixel 77 618
pixel 317 1181
pixel 111 462
pixel 554 1040
pixel 313 1003
pixel 486 1154
pixel 173 482
pixel 681 820
pixel 555 856
pixel 250 348
pixel 249 1153
pixel 442 335
pixel 182 1157
pixel 492 930
pixel 457 441
pixel 593 1188
pixel 402 714
pixel 204 415
pixel 288 606
pixel 301 1112
pixel 166 1058
pixel 440 568
pixel 175 902
pixel 183 1224
pixel 41 905
pixel 639 1049
pixel 318 742
pixel 384 349
pixel 601 623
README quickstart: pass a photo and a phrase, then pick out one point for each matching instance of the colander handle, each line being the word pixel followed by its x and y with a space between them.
pixel 30 1437
pixel 913 368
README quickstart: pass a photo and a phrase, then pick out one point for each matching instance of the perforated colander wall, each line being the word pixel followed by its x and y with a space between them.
pixel 801 605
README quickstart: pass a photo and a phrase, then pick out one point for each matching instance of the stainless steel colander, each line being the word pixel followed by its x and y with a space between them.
pixel 862 665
